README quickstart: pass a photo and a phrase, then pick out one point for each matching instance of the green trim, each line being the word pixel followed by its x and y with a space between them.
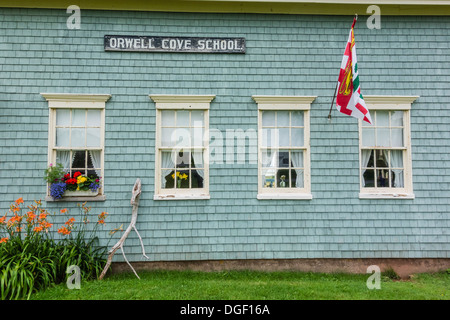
pixel 232 6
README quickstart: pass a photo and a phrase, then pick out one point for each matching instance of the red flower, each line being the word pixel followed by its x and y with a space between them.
pixel 67 176
pixel 71 181
pixel 76 174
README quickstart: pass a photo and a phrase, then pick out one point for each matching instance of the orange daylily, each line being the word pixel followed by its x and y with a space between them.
pixel 64 231
pixel 101 217
pixel 70 221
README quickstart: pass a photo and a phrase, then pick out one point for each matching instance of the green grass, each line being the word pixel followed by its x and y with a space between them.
pixel 251 285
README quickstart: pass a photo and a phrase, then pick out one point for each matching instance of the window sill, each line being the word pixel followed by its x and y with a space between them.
pixel 409 196
pixel 76 199
pixel 181 197
pixel 284 196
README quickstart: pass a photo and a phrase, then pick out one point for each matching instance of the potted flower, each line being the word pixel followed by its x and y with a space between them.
pixel 180 176
pixel 63 184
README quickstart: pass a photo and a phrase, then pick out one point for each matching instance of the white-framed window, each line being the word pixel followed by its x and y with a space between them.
pixel 76 136
pixel 284 147
pixel 385 149
pixel 182 146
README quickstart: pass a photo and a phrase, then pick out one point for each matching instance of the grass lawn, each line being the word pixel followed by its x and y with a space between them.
pixel 251 285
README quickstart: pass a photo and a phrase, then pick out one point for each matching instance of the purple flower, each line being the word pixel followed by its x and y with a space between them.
pixel 57 190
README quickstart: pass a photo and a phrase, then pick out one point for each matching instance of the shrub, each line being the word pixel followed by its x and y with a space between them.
pixel 31 260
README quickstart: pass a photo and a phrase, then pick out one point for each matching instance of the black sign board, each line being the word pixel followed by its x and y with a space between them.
pixel 174 44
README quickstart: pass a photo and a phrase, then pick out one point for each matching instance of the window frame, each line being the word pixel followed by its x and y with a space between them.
pixel 390 103
pixel 286 103
pixel 177 103
pixel 76 101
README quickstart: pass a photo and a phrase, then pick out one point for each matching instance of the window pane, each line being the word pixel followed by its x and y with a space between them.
pixel 297 178
pixel 167 179
pixel 396 158
pixel 182 137
pixel 63 117
pixel 78 137
pixel 197 137
pixel 297 118
pixel 397 137
pixel 383 139
pixel 197 118
pixel 93 118
pixel 197 160
pixel 79 160
pixel 283 159
pixel 168 159
pixel 297 159
pixel 197 179
pixel 382 158
pixel 382 118
pixel 268 118
pixel 383 178
pixel 268 137
pixel 283 178
pixel 93 137
pixel 268 178
pixel 183 118
pixel 62 137
pixel 167 118
pixel 89 161
pixel 297 137
pixel 183 179
pixel 63 157
pixel 283 135
pixel 268 158
pixel 397 178
pixel 396 118
pixel 368 137
pixel 283 119
pixel 167 134
pixel 368 180
pixel 183 159
pixel 367 158
pixel 79 117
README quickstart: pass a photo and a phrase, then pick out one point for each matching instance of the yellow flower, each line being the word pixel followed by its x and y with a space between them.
pixel 81 179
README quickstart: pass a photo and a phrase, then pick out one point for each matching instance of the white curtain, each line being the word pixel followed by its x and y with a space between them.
pixel 64 159
pixel 365 156
pixel 96 157
pixel 168 163
pixel 297 161
pixel 397 162
pixel 198 160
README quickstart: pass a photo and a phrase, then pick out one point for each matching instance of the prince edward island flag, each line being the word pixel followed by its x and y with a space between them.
pixel 349 99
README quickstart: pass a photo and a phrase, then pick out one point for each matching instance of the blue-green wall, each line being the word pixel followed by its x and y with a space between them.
pixel 286 55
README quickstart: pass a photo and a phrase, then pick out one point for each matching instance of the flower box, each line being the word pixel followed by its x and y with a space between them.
pixel 80 193
pixel 62 184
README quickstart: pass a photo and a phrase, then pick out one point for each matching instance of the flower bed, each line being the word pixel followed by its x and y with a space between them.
pixel 31 259
pixel 64 184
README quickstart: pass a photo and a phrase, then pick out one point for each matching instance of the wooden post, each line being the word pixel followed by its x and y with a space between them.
pixel 136 192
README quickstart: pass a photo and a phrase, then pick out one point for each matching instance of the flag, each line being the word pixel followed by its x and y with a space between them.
pixel 349 99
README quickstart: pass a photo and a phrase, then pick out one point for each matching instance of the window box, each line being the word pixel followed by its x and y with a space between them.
pixel 80 193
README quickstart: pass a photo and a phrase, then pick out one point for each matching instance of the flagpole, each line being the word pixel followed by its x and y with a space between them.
pixel 332 102
pixel 335 90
